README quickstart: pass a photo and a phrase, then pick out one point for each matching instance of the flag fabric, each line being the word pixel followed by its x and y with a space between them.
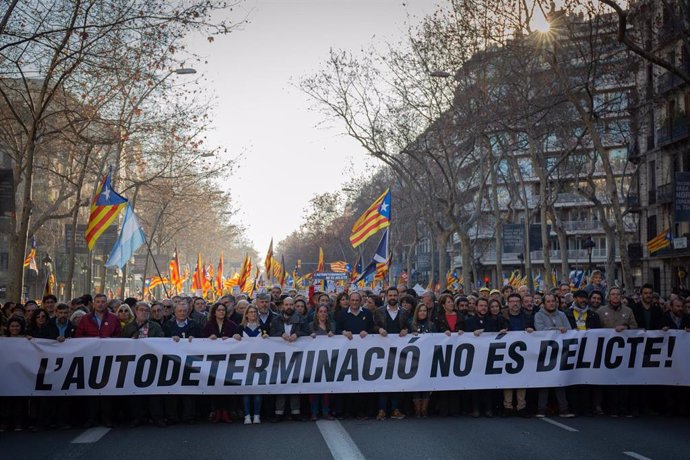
pixel 50 285
pixel 359 266
pixel 382 270
pixel 340 266
pixel 321 265
pixel 219 276
pixel 130 239
pixel 451 277
pixel 232 281
pixel 198 277
pixel 30 260
pixel 249 285
pixel 156 281
pixel 105 207
pixel 380 257
pixel 269 260
pixel 375 218
pixel 281 280
pixel 576 277
pixel 659 242
pixel 175 278
pixel 245 272
pixel 208 280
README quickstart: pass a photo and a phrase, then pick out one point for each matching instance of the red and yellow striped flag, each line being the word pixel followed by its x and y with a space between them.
pixel 175 278
pixel 269 260
pixel 659 242
pixel 375 218
pixel 105 207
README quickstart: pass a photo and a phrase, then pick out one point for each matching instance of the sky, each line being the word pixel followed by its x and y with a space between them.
pixel 261 114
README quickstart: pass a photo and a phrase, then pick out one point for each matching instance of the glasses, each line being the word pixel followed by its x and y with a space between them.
pixel 123 311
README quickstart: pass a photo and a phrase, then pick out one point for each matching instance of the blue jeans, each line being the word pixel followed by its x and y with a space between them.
pixel 246 400
pixel 319 400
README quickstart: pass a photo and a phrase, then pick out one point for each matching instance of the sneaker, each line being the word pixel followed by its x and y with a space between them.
pixel 257 419
pixel 247 419
pixel 381 415
pixel 598 411
pixel 540 414
pixel 397 415
pixel 566 415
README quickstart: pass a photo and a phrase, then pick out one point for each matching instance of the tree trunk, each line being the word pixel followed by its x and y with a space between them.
pixel 467 263
pixel 498 227
pixel 20 228
pixel 443 238
pixel 563 243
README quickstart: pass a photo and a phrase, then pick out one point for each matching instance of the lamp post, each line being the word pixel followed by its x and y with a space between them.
pixel 589 244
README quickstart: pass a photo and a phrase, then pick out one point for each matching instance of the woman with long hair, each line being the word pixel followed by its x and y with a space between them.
pixel 321 326
pixel 251 328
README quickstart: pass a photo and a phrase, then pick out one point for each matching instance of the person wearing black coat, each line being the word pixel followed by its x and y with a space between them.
pixel 648 314
pixel 180 326
pixel 482 321
pixel 676 399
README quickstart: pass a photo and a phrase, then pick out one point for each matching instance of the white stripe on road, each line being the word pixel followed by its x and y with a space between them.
pixel 636 455
pixel 339 441
pixel 559 424
pixel 91 435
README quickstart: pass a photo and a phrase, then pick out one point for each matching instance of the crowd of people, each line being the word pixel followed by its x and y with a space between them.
pixel 396 310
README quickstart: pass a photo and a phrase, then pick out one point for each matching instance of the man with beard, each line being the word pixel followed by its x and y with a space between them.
pixel 266 316
pixel 289 326
pixel 390 319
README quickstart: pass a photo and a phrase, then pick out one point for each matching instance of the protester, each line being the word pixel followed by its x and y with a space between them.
pixel 61 322
pixel 390 319
pixel 151 406
pixel 100 324
pixel 290 327
pixel 550 318
pixel 250 327
pixel 321 326
pixel 420 323
pixel 516 320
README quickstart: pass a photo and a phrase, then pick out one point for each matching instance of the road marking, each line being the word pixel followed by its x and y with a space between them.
pixel 91 435
pixel 339 441
pixel 636 455
pixel 559 424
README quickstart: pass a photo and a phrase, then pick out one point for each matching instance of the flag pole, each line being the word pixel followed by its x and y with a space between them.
pixel 155 264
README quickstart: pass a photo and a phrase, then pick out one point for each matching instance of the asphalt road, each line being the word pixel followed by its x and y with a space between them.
pixel 433 438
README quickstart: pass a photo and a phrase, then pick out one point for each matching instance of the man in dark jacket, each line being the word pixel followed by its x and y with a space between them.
pixel 648 313
pixel 516 320
pixel 62 324
pixel 392 319
pixel 180 326
pixel 587 399
pixel 290 326
pixel 141 328
pixel 266 316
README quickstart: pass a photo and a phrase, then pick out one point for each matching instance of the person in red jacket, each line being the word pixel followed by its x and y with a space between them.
pixel 100 323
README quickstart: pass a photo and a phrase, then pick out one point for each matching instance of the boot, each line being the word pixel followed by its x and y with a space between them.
pixel 424 409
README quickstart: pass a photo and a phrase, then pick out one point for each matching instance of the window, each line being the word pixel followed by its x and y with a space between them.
pixel 651 227
pixel 4 261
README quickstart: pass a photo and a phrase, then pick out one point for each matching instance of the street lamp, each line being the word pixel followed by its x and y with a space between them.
pixel 589 244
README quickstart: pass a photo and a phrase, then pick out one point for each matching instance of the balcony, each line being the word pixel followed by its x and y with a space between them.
pixel 664 194
pixel 673 131
pixel 573 254
pixel 650 142
pixel 632 202
pixel 670 81
pixel 582 225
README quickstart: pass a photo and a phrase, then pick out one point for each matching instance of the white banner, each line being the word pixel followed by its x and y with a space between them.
pixel 337 365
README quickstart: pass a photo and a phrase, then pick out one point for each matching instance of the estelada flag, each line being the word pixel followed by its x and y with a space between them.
pixel 105 207
pixel 375 218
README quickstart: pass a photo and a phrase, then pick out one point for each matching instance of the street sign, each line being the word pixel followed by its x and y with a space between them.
pixel 680 243
pixel 330 276
pixel 513 238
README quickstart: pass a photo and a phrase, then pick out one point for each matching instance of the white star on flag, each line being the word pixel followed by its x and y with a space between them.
pixel 384 207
